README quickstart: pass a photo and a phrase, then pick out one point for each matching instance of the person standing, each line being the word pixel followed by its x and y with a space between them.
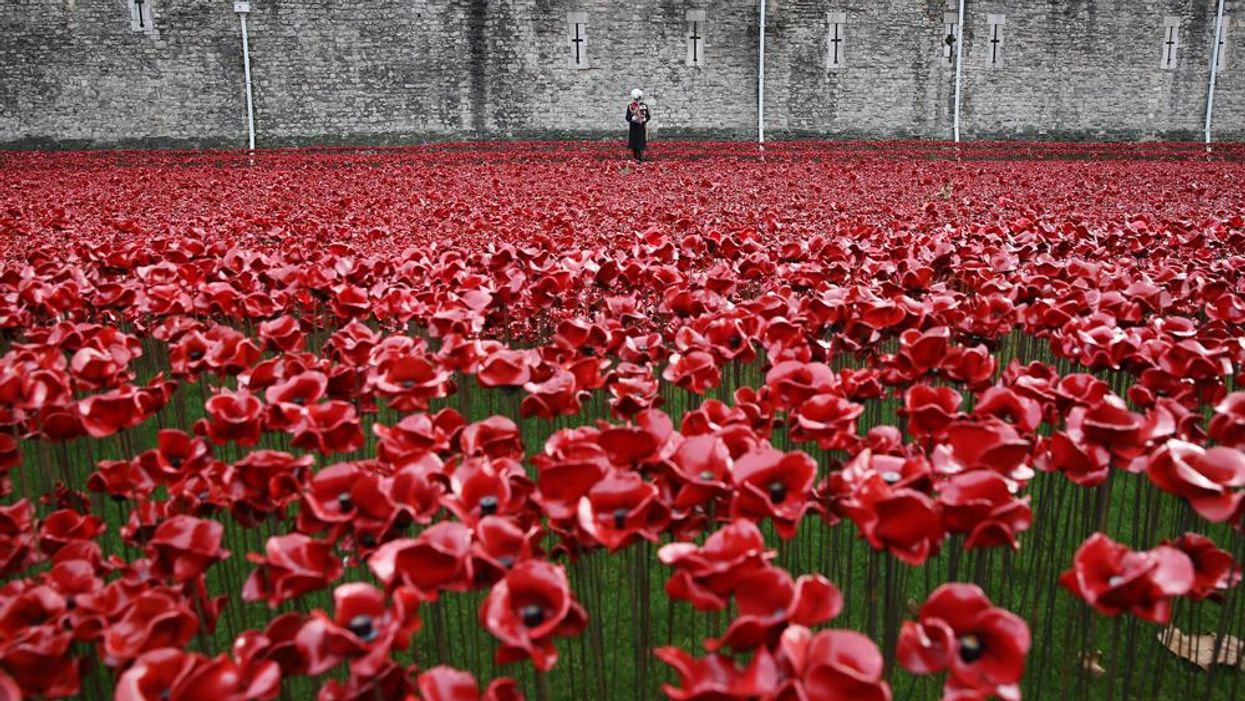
pixel 638 115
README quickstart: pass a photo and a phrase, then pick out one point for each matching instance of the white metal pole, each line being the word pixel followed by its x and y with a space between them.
pixel 761 81
pixel 242 8
pixel 959 55
pixel 1214 70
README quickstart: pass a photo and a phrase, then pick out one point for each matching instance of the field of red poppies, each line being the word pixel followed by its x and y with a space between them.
pixel 484 422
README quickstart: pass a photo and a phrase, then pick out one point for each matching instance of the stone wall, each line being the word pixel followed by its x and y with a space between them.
pixel 73 73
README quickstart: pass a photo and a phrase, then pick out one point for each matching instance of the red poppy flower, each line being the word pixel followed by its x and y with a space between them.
pixel 264 482
pixel 28 606
pixel 702 466
pixel 572 463
pixel 833 664
pixel 390 682
pixel 1112 578
pixel 710 678
pixel 175 456
pixel 1214 569
pixel 1005 403
pixel 1211 480
pixel 1086 464
pixel 410 439
pixel 904 521
pixel 228 351
pixel 558 395
pixel 696 371
pixel 506 368
pixel 707 575
pixel 791 383
pixel 39 660
pixel 495 437
pixel 188 355
pixel 828 419
pixel 640 444
pixel 500 544
pixel 1110 424
pixel 443 683
pixel 982 504
pixel 95 369
pixel 329 498
pixel 277 643
pixel 352 343
pixel 768 600
pixel 16 537
pixel 10 452
pixel 772 483
pixel 104 414
pixel 283 334
pixel 409 381
pixel 350 302
pixel 923 351
pixel 175 675
pixel 973 366
pixel 983 445
pixel 288 400
pixel 64 526
pixel 1227 426
pixel 184 547
pixel 331 427
pixel 291 566
pixel 438 559
pixel 482 487
pixel 930 409
pixel 154 619
pixel 632 389
pixel 527 609
pixel 959 630
pixel 622 508
pixel 363 629
pixel 233 416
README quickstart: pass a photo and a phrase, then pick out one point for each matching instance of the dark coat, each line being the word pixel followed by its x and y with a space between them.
pixel 637 140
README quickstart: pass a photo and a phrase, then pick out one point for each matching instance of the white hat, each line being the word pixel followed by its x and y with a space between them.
pixel 637 94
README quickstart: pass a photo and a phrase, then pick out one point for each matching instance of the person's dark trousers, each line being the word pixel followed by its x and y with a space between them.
pixel 639 155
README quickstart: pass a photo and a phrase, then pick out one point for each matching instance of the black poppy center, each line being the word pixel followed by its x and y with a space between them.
pixel 344 502
pixel 970 648
pixel 196 355
pixel 367 540
pixel 408 384
pixel 175 461
pixel 891 477
pixel 620 518
pixel 488 505
pixel 506 561
pixel 532 616
pixel 706 475
pixel 588 351
pixel 300 400
pixel 777 492
pixel 362 627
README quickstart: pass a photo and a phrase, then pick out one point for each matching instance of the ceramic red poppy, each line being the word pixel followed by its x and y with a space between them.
pixel 774 484
pixel 982 647
pixel 707 575
pixel 530 607
pixel 291 566
pixel 1114 579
